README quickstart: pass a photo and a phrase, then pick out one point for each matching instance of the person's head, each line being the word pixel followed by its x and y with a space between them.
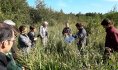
pixel 12 25
pixel 106 23
pixel 7 38
pixel 23 29
pixel 45 23
pixel 32 28
pixel 79 25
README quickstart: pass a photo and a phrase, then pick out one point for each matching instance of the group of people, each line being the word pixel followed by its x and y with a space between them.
pixel 81 34
pixel 111 40
pixel 26 41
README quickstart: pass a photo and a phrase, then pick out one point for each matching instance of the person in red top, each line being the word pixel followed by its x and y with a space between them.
pixel 111 42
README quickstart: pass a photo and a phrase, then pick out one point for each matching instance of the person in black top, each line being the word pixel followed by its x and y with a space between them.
pixel 32 36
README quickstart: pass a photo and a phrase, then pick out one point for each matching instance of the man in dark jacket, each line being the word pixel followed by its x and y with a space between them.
pixel 6 41
pixel 111 42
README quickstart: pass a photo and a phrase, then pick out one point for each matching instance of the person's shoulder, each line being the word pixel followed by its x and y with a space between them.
pixel 114 30
pixel 21 36
pixel 4 60
pixel 29 33
pixel 41 26
pixel 83 29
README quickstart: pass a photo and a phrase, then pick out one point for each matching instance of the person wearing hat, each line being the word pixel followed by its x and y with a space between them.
pixel 12 54
pixel 7 39
pixel 43 33
pixel 82 35
pixel 12 24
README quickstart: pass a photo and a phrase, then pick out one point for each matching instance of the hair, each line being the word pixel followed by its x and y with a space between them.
pixel 32 27
pixel 6 33
pixel 106 22
pixel 22 28
pixel 78 25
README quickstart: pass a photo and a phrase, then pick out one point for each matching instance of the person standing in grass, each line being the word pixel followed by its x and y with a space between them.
pixel 111 42
pixel 82 35
pixel 43 33
pixel 32 36
pixel 23 40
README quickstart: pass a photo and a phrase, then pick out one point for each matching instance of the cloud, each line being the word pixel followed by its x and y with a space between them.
pixel 112 0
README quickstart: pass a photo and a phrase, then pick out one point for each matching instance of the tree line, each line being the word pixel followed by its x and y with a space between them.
pixel 21 13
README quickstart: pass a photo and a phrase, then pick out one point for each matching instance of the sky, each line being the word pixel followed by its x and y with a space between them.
pixel 76 6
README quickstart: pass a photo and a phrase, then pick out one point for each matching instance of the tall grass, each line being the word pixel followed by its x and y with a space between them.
pixel 61 56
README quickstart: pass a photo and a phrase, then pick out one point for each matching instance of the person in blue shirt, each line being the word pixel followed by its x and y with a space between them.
pixel 66 31
pixel 68 38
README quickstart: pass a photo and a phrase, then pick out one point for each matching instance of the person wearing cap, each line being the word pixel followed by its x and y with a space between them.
pixel 7 39
pixel 43 33
pixel 82 35
pixel 12 24
pixel 111 41
pixel 12 54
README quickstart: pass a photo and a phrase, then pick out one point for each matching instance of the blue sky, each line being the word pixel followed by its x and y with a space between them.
pixel 76 6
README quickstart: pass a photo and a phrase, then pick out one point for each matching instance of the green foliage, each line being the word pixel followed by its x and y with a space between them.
pixel 58 55
pixel 113 16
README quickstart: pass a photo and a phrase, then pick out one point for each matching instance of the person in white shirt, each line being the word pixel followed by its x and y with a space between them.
pixel 44 33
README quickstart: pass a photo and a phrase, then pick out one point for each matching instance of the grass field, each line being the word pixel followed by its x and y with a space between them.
pixel 60 56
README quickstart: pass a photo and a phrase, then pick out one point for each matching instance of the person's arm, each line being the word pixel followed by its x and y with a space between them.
pixel 25 41
pixel 31 36
pixel 41 32
pixel 115 38
pixel 107 41
pixel 108 46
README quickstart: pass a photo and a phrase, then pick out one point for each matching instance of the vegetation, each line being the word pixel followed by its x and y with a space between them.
pixel 58 55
